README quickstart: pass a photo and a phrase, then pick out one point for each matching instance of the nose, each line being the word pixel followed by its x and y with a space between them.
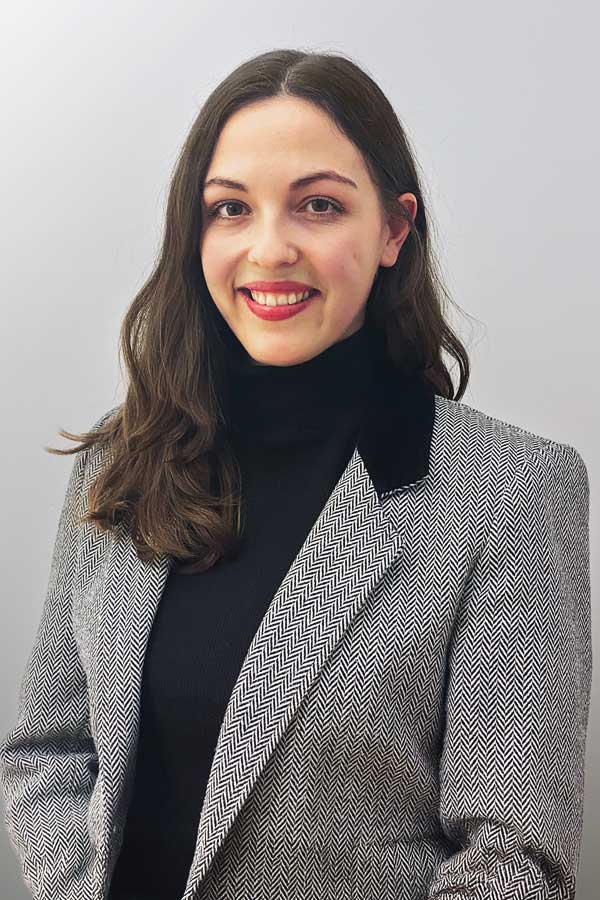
pixel 271 250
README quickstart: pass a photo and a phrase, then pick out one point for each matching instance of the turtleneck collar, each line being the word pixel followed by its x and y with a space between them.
pixel 310 400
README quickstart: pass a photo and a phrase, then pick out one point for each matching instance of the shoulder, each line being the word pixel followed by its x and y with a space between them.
pixel 106 416
pixel 458 423
pixel 485 454
pixel 93 458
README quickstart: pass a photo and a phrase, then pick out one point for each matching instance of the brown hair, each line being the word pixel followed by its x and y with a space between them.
pixel 172 474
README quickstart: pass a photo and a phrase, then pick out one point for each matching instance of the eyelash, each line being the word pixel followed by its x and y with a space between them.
pixel 338 209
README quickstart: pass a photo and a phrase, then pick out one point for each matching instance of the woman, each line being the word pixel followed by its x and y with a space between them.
pixel 314 627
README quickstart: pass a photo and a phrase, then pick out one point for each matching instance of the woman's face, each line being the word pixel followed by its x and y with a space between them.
pixel 326 234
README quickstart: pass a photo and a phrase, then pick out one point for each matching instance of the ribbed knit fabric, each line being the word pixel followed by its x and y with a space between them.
pixel 294 430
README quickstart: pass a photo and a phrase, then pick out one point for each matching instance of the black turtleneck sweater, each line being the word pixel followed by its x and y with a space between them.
pixel 293 429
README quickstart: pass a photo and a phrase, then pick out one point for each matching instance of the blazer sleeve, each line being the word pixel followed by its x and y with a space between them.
pixel 518 693
pixel 48 759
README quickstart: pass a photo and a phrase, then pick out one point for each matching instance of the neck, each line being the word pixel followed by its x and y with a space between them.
pixel 304 401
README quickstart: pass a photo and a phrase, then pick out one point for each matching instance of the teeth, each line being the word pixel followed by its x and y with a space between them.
pixel 268 299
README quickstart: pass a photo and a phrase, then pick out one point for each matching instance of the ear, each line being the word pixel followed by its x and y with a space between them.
pixel 398 230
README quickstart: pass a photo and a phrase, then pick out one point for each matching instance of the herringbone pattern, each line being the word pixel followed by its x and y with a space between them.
pixel 409 723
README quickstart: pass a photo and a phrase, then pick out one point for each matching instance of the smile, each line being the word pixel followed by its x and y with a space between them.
pixel 276 311
pixel 267 298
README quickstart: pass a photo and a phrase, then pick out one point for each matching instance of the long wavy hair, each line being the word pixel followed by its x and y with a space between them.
pixel 172 476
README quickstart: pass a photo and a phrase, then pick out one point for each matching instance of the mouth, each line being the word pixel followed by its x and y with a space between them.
pixel 248 294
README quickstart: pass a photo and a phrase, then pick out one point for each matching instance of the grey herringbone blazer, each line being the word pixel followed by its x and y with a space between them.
pixel 410 720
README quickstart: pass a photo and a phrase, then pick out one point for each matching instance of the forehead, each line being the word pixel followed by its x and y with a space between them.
pixel 283 135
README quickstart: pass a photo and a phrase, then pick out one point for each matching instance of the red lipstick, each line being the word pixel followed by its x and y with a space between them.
pixel 275 287
pixel 275 313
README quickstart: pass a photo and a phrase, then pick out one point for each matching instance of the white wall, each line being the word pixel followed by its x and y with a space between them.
pixel 498 100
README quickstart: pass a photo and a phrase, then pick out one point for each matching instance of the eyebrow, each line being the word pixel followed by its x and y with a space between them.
pixel 324 175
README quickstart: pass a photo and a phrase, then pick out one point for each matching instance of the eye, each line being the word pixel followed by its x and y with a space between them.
pixel 337 207
pixel 337 210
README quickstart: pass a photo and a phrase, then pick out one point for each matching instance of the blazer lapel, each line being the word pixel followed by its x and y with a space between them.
pixel 347 551
pixel 345 554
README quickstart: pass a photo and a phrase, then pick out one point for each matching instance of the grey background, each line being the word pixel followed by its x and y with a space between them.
pixel 97 98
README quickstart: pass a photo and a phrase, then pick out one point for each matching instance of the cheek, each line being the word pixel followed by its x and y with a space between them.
pixel 217 269
pixel 335 265
pixel 344 262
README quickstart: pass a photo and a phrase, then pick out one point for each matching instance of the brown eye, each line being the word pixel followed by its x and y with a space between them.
pixel 337 208
pixel 214 210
